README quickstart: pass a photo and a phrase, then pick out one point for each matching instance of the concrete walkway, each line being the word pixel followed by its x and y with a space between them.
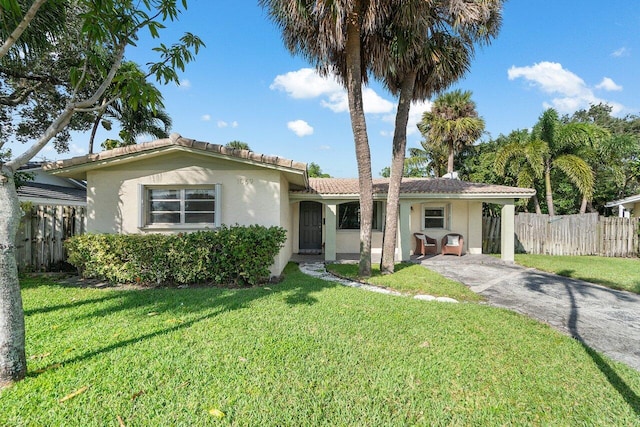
pixel 603 319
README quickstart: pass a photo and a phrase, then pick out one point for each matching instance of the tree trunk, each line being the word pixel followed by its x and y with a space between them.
pixel 359 127
pixel 583 205
pixel 13 362
pixel 94 129
pixel 397 168
pixel 536 204
pixel 547 188
pixel 450 160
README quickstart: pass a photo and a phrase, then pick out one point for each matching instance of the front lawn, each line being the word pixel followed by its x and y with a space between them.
pixel 411 279
pixel 615 273
pixel 302 352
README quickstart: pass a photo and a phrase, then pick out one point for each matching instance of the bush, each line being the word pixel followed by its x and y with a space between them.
pixel 235 255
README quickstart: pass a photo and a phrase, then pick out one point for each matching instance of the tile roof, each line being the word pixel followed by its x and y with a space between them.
pixel 175 140
pixel 36 190
pixel 346 186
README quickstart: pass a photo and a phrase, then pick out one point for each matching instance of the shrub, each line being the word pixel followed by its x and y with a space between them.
pixel 235 255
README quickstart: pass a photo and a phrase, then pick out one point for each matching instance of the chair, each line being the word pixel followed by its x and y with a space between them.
pixel 452 243
pixel 425 244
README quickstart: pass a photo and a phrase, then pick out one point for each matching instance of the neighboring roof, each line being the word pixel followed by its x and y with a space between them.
pixel 77 166
pixel 626 201
pixel 422 187
pixel 47 194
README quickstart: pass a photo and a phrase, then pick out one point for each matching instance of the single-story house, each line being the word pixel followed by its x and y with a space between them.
pixel 629 206
pixel 48 190
pixel 179 184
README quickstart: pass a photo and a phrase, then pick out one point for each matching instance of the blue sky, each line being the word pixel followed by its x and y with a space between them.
pixel 246 86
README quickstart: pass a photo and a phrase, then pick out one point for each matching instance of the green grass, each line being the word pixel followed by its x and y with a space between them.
pixel 302 352
pixel 615 273
pixel 411 279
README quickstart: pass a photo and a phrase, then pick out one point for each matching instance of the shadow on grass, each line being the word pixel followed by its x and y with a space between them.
pixel 616 381
pixel 296 289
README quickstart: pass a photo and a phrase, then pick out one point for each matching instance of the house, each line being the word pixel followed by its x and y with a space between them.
pixel 629 206
pixel 179 184
pixel 46 189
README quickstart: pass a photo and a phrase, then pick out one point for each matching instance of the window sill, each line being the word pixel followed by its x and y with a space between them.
pixel 177 227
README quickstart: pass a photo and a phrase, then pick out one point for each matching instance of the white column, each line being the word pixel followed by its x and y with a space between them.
pixel 507 232
pixel 404 231
pixel 330 214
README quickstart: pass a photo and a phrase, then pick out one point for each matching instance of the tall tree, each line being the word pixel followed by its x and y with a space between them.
pixel 523 158
pixel 135 119
pixel 553 146
pixel 137 122
pixel 238 145
pixel 453 122
pixel 616 162
pixel 107 28
pixel 315 171
pixel 330 34
pixel 422 49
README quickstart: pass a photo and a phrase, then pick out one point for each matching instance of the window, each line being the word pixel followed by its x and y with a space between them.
pixel 181 206
pixel 435 217
pixel 349 216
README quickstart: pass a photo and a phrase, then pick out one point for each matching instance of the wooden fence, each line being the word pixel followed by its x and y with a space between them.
pixel 586 234
pixel 39 242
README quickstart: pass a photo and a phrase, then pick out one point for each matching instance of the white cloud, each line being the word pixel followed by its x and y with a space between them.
pixel 608 84
pixel 572 92
pixel 234 124
pixel 300 128
pixel 206 117
pixel 222 124
pixel 623 51
pixel 184 84
pixel 306 83
pixel 325 147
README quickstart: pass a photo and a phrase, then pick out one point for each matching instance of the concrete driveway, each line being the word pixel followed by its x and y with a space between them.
pixel 603 319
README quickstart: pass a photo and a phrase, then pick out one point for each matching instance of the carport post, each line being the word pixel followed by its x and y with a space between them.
pixel 507 232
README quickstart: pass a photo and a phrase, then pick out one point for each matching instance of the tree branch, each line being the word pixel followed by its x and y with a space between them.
pixel 15 35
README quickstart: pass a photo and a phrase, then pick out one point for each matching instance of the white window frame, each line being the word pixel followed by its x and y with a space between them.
pixel 143 197
pixel 446 215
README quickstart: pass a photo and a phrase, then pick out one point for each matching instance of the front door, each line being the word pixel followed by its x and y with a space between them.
pixel 310 227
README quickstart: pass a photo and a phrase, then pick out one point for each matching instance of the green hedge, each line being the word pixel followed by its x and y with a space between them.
pixel 235 255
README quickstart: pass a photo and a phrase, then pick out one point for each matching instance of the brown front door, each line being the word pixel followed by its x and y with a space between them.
pixel 310 227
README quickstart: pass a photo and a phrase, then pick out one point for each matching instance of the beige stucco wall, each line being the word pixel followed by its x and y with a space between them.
pixel 636 210
pixel 249 194
pixel 464 217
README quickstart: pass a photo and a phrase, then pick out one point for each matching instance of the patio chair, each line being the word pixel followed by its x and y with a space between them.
pixel 452 243
pixel 425 244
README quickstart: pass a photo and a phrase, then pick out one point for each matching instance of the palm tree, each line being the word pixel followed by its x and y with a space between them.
pixel 554 145
pixel 135 119
pixel 138 122
pixel 422 50
pixel 453 121
pixel 330 34
pixel 522 158
pixel 238 145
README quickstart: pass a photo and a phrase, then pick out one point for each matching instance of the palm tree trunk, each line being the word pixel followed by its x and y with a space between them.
pixel 397 168
pixel 450 160
pixel 583 205
pixel 359 127
pixel 94 129
pixel 547 188
pixel 13 362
